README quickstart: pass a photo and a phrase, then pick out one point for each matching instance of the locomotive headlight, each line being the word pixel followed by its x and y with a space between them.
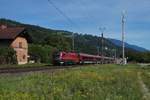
pixel 61 62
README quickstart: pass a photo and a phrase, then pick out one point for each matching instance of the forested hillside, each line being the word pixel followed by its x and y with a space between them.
pixel 62 40
pixel 49 40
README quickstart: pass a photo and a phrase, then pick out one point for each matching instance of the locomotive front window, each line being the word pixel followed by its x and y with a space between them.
pixel 56 55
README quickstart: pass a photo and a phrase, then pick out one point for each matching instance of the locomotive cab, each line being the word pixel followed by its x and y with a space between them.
pixel 56 58
pixel 65 58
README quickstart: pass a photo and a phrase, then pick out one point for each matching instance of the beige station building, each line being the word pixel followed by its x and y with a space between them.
pixel 16 38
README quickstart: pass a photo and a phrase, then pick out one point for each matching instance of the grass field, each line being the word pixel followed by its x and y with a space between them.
pixel 95 82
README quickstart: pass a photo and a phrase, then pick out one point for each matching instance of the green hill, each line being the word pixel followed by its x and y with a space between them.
pixel 62 40
pixel 83 43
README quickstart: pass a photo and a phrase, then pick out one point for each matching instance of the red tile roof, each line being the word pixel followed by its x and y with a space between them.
pixel 10 33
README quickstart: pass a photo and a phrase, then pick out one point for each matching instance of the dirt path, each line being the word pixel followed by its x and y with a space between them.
pixel 144 89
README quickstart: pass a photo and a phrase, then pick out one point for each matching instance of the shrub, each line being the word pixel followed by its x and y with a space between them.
pixel 41 54
pixel 7 56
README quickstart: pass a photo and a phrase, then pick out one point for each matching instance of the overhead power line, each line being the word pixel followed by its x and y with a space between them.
pixel 67 18
pixel 63 14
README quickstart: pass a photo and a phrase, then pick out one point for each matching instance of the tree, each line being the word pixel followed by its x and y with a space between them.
pixel 58 41
pixel 41 53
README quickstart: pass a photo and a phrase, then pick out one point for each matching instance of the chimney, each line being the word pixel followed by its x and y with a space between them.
pixel 3 26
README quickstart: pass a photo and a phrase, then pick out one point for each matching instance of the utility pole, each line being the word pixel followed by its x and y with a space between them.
pixel 102 29
pixel 98 50
pixel 102 37
pixel 115 54
pixel 123 38
pixel 73 42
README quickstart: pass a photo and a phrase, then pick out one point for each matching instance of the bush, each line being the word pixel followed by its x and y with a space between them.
pixel 41 54
pixel 141 57
pixel 7 56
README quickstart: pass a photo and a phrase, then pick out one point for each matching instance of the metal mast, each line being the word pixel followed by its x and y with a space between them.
pixel 73 42
pixel 123 37
pixel 102 37
pixel 102 29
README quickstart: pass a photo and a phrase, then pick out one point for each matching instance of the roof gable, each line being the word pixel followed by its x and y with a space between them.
pixel 10 33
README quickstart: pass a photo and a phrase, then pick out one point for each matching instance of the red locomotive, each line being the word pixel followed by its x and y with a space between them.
pixel 70 58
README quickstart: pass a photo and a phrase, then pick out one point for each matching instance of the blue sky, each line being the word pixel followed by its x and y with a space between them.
pixel 87 16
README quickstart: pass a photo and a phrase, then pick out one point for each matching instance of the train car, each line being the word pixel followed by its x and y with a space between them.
pixel 89 59
pixel 70 58
pixel 66 58
pixel 108 60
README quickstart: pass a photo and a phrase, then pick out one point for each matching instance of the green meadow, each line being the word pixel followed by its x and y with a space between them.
pixel 92 82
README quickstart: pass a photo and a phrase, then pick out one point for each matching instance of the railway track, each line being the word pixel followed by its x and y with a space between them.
pixel 31 69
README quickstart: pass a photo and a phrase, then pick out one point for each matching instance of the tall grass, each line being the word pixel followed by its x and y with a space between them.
pixel 146 76
pixel 96 82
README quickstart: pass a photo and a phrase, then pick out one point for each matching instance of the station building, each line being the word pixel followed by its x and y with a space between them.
pixel 16 38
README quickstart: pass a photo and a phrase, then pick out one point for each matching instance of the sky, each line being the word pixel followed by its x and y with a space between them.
pixel 86 16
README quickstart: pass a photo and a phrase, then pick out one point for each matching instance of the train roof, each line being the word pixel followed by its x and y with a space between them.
pixel 88 55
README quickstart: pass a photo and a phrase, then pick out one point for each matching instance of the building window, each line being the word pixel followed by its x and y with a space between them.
pixel 20 44
pixel 24 57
